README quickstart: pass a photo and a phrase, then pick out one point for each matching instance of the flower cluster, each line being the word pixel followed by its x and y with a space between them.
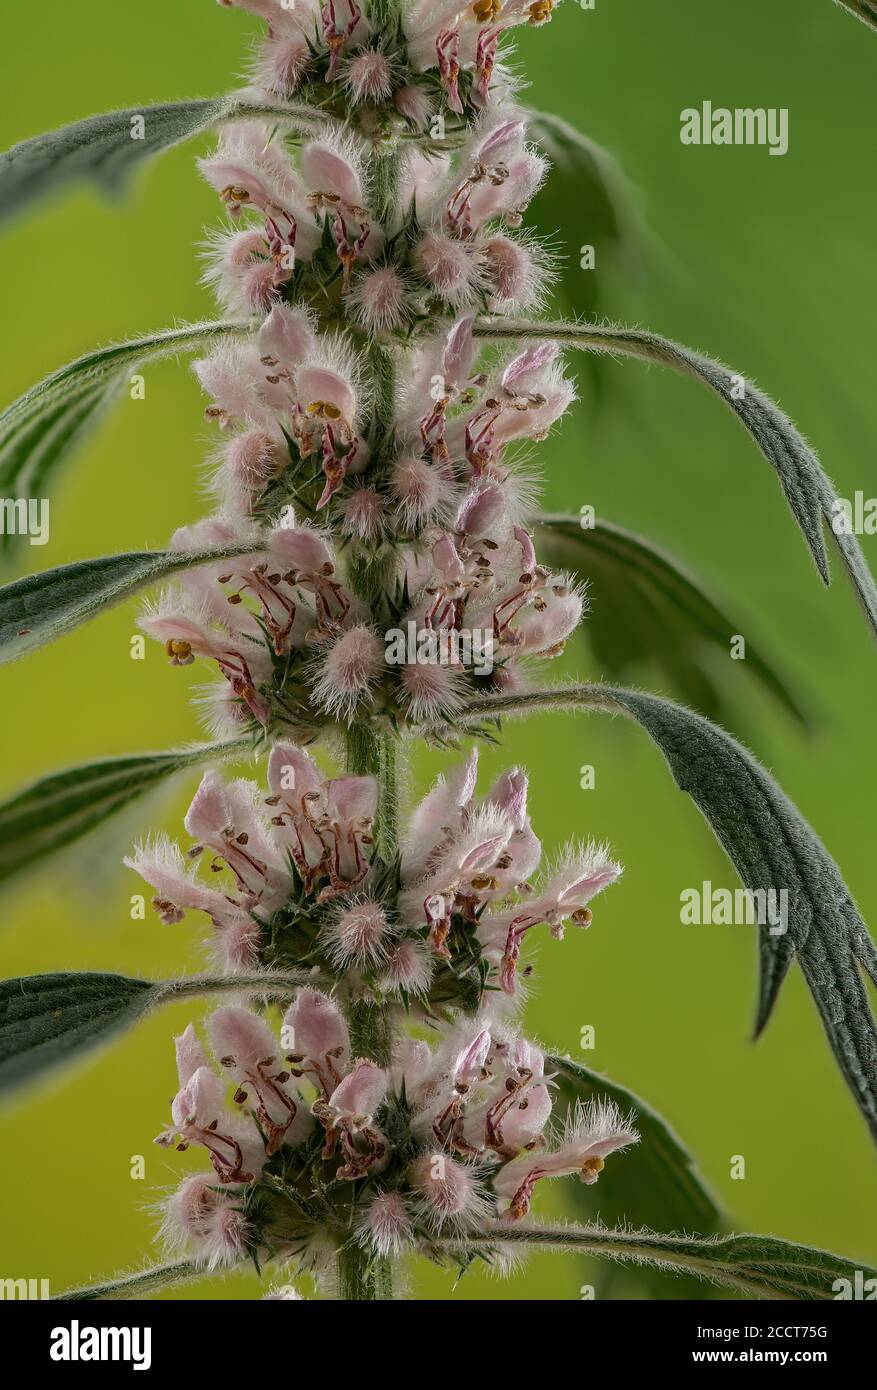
pixel 294 882
pixel 418 477
pixel 440 53
pixel 296 645
pixel 444 1137
pixel 369 571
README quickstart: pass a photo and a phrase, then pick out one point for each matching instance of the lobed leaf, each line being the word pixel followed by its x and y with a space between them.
pixel 772 848
pixel 646 607
pixel 37 608
pixel 811 497
pixel 43 426
pixel 56 810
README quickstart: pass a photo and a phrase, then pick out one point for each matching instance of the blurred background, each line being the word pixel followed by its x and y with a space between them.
pixel 767 263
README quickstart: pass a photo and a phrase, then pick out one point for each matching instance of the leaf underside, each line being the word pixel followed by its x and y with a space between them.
pixel 772 848
pixel 41 428
pixel 48 1019
pixel 40 607
pixel 107 149
pixel 101 149
pixel 645 607
pixel 59 809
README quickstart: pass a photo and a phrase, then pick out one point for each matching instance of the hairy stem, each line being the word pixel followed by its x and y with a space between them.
pixel 272 984
pixel 138 1285
pixel 363 1277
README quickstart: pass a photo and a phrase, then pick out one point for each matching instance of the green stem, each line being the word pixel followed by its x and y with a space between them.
pixel 363 1277
pixel 273 984
pixel 138 1285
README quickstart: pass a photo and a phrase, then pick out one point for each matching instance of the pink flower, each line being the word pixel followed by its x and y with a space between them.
pixel 378 299
pixel 199 1117
pixel 252 172
pixel 207 1222
pixel 178 890
pixel 247 1049
pixel 414 104
pixel 407 970
pixel 517 273
pixel 325 824
pixel 581 875
pixel 225 818
pixel 320 1044
pixel 363 513
pixel 348 1118
pixel 596 1131
pixel 477 856
pixel 423 493
pixel 187 631
pixel 431 693
pixel 448 266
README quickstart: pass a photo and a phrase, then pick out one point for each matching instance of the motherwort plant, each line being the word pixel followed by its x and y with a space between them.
pixel 375 381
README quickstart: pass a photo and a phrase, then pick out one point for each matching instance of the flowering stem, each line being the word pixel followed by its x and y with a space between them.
pixel 363 1277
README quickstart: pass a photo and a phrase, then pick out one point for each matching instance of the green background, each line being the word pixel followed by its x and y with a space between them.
pixel 768 263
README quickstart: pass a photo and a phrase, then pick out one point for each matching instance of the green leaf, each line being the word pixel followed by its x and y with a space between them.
pixel 44 425
pixel 38 608
pixel 61 808
pixel 49 1019
pixel 106 149
pixel 811 497
pixel 762 1266
pixel 865 10
pixel 645 607
pixel 656 1185
pixel 772 848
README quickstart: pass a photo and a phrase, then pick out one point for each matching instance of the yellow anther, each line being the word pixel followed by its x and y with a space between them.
pixel 325 409
pixel 540 11
pixel 485 11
